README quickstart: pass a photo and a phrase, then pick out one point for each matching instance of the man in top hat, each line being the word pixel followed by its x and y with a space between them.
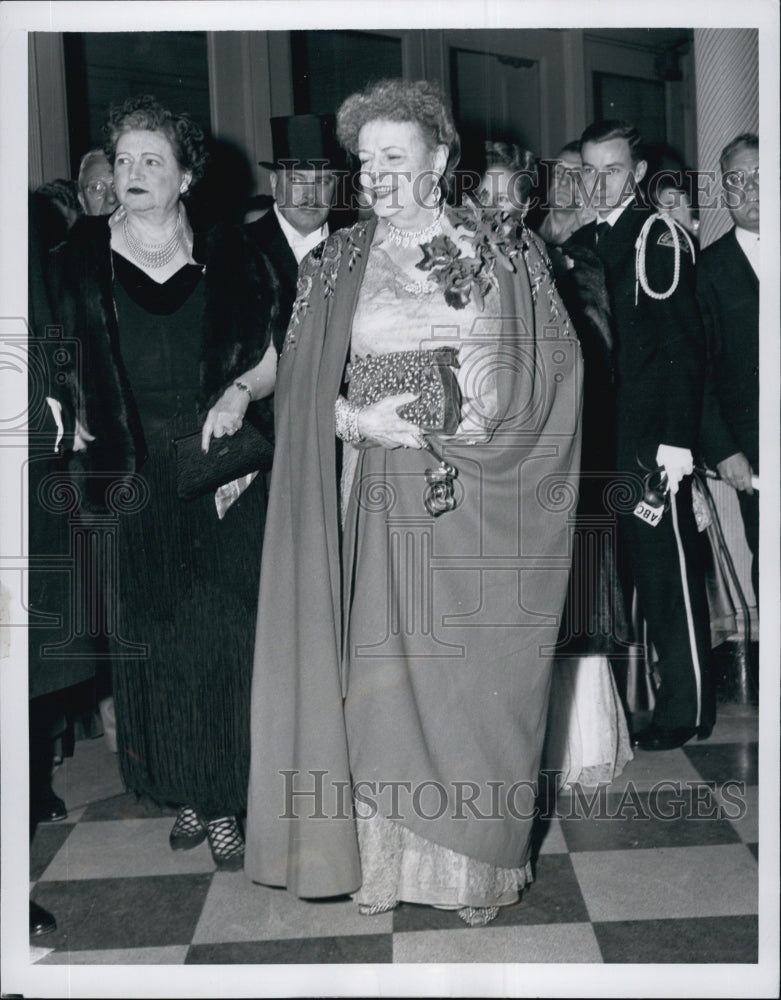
pixel 303 182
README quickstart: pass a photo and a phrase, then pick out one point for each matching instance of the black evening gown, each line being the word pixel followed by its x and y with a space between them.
pixel 594 620
pixel 188 582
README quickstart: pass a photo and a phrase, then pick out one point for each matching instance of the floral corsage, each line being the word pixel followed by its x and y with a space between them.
pixel 461 276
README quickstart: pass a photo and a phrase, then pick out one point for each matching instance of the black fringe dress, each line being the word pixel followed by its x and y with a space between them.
pixel 187 581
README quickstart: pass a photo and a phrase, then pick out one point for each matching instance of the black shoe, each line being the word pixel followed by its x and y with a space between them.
pixel 188 831
pixel 41 921
pixel 226 843
pixel 663 737
pixel 50 807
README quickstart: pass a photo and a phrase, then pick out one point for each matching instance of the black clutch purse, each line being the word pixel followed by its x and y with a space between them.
pixel 430 374
pixel 228 458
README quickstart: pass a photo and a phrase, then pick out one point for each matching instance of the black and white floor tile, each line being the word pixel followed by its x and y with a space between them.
pixel 661 869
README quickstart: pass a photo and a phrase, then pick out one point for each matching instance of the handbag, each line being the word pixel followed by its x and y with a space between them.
pixel 228 458
pixel 430 374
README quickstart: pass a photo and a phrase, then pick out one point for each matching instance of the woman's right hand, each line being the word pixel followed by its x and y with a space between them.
pixel 379 423
pixel 226 416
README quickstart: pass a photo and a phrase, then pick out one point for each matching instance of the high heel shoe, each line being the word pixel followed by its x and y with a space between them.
pixel 188 831
pixel 478 916
pixel 226 843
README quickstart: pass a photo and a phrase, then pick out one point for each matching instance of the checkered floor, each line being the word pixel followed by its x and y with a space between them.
pixel 664 870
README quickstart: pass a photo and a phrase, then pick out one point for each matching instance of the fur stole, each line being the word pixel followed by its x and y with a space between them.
pixel 580 278
pixel 241 312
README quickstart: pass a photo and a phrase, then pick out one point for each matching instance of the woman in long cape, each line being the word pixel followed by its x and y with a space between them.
pixel 402 662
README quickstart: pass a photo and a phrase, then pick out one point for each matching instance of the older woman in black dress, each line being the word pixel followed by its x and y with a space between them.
pixel 170 347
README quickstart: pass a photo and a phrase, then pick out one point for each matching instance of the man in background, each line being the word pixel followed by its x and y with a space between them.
pixel 96 184
pixel 303 179
pixel 659 361
pixel 728 295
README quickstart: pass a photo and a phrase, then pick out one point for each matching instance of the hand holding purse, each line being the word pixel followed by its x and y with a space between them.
pixel 429 374
pixel 228 458
pixel 437 409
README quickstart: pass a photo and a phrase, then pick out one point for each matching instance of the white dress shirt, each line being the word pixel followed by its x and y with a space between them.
pixel 615 215
pixel 300 245
pixel 749 244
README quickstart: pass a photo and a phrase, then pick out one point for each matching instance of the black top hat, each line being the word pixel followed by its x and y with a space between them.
pixel 307 141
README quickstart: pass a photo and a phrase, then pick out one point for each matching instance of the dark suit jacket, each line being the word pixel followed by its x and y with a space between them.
pixel 268 235
pixel 728 295
pixel 659 350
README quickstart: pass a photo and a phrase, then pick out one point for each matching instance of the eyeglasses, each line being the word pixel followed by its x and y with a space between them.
pixel 740 178
pixel 99 187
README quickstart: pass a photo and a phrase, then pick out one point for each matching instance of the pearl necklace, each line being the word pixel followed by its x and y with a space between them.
pixel 153 255
pixel 407 238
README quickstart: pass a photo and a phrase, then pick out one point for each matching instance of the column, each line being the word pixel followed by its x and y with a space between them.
pixel 726 63
pixel 47 109
pixel 92 564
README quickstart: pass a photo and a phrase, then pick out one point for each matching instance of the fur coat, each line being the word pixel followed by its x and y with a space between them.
pixel 240 316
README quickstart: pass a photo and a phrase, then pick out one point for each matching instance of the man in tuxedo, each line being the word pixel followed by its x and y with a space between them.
pixel 659 370
pixel 728 294
pixel 304 176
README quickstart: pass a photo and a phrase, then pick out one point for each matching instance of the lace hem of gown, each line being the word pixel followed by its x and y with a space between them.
pixel 399 865
pixel 587 740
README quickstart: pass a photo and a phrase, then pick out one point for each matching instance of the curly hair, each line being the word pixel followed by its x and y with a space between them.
pixel 396 100
pixel 146 113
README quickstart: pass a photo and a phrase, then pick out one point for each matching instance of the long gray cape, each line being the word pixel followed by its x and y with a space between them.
pixel 470 708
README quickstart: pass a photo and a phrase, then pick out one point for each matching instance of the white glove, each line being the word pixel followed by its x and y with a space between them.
pixel 676 462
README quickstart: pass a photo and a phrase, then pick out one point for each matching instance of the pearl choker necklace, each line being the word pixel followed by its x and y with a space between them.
pixel 153 255
pixel 409 238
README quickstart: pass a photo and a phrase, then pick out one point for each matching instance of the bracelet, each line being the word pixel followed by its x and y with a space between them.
pixel 346 420
pixel 244 387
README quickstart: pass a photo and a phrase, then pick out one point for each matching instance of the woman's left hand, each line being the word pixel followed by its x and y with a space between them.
pixel 226 416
